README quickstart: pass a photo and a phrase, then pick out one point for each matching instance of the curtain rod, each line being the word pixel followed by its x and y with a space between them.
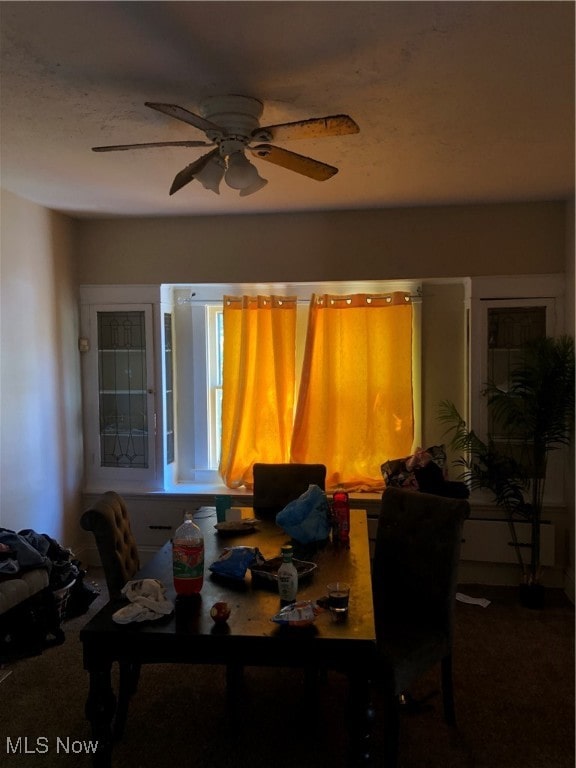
pixel 343 296
pixel 414 297
pixel 272 298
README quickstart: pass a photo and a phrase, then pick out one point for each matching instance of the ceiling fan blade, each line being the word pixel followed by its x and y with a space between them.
pixel 173 110
pixel 314 169
pixel 316 127
pixel 188 174
pixel 152 145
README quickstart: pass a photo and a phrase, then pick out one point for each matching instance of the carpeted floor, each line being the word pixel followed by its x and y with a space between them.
pixel 514 680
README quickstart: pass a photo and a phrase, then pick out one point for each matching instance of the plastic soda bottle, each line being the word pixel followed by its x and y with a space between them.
pixel 188 557
pixel 287 577
pixel 341 515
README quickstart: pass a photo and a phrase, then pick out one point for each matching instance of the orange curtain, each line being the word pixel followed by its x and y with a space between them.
pixel 258 384
pixel 355 401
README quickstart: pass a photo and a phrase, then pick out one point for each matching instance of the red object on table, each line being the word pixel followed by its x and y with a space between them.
pixel 341 518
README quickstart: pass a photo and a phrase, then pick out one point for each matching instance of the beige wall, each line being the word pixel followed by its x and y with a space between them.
pixel 46 255
pixel 444 356
pixel 434 243
pixel 350 245
pixel 41 442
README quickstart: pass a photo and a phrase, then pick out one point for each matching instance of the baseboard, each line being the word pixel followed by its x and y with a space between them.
pixel 504 574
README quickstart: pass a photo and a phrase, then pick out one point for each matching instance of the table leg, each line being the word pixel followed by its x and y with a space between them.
pixel 100 708
pixel 129 676
pixel 361 716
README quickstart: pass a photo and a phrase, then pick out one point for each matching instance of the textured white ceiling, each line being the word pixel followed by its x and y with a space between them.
pixel 457 102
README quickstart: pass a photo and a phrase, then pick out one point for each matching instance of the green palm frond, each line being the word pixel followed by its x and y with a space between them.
pixel 535 412
pixel 540 399
pixel 483 465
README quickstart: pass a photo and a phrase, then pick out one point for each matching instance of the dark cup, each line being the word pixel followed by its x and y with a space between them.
pixel 338 599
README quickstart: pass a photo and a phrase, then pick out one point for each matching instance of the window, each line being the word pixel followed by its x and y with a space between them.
pixel 215 345
pixel 169 388
pixel 198 362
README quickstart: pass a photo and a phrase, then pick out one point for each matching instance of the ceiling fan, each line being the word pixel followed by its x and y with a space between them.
pixel 231 124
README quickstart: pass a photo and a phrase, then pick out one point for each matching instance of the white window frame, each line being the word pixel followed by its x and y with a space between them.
pixel 214 314
pixel 195 309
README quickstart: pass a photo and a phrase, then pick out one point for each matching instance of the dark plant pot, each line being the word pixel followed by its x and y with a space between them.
pixel 531 595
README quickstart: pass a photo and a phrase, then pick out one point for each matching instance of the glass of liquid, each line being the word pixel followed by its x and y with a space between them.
pixel 338 599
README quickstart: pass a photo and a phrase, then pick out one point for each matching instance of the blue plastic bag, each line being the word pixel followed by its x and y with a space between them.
pixel 234 561
pixel 307 518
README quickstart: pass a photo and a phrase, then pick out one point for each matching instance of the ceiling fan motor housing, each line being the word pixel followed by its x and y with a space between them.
pixel 237 115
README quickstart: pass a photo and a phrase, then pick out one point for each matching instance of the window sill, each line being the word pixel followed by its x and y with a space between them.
pixel 205 490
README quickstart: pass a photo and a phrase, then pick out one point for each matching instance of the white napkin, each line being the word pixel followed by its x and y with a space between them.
pixel 148 601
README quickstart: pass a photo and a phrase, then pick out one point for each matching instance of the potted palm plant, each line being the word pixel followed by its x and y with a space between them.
pixel 536 413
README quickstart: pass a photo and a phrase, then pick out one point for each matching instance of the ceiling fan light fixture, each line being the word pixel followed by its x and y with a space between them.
pixel 258 184
pixel 212 174
pixel 240 173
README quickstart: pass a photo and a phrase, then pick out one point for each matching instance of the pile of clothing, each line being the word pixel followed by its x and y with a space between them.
pixel 27 549
pixel 426 471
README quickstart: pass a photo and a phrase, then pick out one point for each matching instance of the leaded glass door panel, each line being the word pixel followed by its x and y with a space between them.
pixel 509 328
pixel 121 420
pixel 506 325
pixel 123 390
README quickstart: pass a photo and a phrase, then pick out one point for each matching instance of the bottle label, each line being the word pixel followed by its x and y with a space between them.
pixel 287 581
pixel 188 560
pixel 342 523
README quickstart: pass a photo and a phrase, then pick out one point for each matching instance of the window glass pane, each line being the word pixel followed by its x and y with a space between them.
pixel 215 347
pixel 509 328
pixel 219 346
pixel 169 374
pixel 122 390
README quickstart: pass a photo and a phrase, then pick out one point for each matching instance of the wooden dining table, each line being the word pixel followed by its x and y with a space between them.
pixel 249 637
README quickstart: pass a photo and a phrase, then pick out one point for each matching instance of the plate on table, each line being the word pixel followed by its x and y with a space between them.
pixel 268 570
pixel 235 527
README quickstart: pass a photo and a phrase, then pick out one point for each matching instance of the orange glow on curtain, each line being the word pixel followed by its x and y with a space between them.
pixel 355 402
pixel 258 384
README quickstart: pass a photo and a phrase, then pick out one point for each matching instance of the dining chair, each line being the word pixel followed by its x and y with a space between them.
pixel 109 521
pixel 414 577
pixel 277 484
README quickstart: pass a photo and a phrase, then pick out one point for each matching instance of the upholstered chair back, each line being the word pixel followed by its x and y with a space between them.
pixel 416 556
pixel 414 578
pixel 277 484
pixel 109 521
